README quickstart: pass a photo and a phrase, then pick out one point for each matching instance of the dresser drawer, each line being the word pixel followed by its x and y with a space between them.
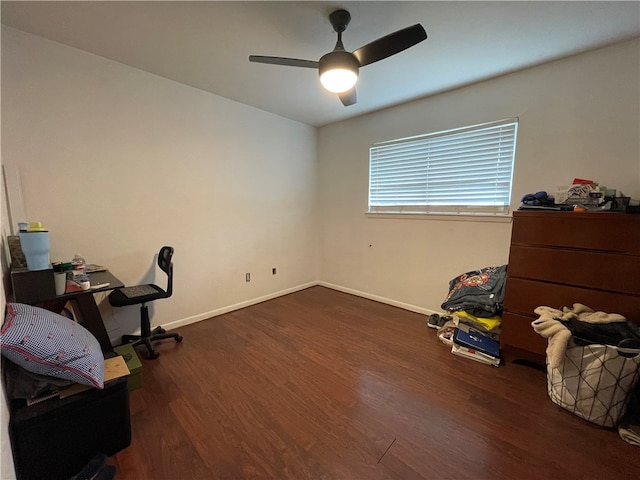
pixel 606 231
pixel 576 267
pixel 517 332
pixel 523 296
pixel 561 258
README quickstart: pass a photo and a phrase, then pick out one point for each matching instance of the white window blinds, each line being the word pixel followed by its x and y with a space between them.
pixel 461 171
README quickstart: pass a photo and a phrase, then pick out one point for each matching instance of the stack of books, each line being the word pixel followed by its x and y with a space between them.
pixel 476 346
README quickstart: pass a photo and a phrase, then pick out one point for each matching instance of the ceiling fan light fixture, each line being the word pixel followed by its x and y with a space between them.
pixel 338 71
pixel 338 80
pixel 339 68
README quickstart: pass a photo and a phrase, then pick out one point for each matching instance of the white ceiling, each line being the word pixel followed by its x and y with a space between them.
pixel 206 44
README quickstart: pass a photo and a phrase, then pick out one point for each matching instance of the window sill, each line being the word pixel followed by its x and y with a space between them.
pixel 460 217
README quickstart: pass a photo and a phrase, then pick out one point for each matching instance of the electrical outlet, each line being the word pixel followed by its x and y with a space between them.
pixel 247 277
pixel 273 271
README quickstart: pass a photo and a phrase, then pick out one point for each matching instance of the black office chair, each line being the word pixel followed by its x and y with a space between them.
pixel 140 295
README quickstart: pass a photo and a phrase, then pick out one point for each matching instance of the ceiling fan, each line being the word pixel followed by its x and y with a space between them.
pixel 338 69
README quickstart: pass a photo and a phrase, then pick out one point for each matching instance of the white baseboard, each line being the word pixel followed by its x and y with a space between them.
pixel 247 303
pixel 231 308
pixel 388 301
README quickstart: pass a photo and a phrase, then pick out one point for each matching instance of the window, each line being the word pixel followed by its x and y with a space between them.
pixel 458 172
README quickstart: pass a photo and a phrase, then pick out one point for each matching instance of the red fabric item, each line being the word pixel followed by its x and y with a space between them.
pixel 582 181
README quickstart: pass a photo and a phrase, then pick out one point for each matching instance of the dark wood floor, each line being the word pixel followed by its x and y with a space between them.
pixel 320 384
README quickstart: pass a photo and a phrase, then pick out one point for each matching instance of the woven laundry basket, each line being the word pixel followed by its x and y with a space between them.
pixel 594 382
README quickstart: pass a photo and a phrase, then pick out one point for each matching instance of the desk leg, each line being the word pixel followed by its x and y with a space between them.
pixel 92 320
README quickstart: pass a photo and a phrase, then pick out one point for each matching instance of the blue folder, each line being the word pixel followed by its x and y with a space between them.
pixel 476 341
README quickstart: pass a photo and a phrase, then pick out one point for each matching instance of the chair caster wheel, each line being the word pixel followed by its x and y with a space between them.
pixel 153 355
pixel 161 330
pixel 178 338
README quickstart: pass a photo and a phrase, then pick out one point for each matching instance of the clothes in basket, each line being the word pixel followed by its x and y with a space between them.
pixel 594 381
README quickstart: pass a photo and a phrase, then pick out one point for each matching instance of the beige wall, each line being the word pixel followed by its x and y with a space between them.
pixel 117 162
pixel 579 117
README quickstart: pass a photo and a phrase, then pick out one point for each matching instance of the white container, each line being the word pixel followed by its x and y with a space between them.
pixel 60 280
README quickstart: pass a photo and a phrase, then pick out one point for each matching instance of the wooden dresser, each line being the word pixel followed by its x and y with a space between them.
pixel 561 258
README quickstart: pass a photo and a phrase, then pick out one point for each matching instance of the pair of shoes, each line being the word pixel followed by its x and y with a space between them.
pixel 96 469
pixel 91 469
pixel 107 472
pixel 437 321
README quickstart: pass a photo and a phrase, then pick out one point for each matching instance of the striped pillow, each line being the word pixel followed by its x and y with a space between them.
pixel 46 343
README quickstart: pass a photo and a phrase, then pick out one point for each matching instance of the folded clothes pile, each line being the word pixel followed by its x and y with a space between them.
pixel 478 292
pixel 538 199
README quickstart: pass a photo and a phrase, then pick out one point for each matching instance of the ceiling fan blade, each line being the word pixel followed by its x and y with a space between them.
pixel 349 97
pixel 390 44
pixel 288 62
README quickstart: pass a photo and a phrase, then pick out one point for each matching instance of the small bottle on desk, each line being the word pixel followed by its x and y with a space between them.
pixel 79 265
pixel 84 282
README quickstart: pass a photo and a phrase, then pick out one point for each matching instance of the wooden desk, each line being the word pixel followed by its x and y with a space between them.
pixel 54 439
pixel 33 288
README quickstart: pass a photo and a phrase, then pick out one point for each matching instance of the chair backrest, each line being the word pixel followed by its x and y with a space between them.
pixel 166 265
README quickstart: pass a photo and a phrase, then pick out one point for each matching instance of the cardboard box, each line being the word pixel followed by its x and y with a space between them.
pixel 133 363
pixel 114 367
